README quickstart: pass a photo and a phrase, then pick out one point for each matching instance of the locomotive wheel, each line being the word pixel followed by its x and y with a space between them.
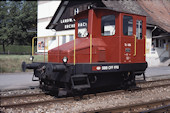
pixel 40 84
pixel 128 80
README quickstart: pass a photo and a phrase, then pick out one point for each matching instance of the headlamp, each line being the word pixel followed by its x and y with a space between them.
pixel 31 58
pixel 65 59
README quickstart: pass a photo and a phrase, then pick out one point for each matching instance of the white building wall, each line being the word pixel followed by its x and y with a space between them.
pixel 155 55
pixel 46 10
pixel 61 38
pixel 151 56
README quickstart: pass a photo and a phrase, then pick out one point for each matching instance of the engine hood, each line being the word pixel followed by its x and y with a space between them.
pixel 80 43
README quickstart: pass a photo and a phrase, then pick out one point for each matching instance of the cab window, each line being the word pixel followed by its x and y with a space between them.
pixel 82 27
pixel 108 25
pixel 139 29
pixel 127 25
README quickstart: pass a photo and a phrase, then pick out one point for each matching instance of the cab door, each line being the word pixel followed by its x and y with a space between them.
pixel 133 38
pixel 139 39
pixel 127 38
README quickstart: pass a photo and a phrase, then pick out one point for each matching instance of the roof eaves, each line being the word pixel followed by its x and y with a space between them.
pixel 57 14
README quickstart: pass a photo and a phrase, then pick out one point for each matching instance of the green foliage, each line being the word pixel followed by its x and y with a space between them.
pixel 16 18
pixel 18 49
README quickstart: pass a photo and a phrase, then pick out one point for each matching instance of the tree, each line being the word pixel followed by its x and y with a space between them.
pixel 3 23
pixel 16 18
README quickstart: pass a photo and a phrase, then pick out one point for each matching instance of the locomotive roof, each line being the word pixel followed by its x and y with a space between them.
pixel 105 8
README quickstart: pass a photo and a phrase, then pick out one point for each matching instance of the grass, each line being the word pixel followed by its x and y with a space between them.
pixel 17 49
pixel 12 63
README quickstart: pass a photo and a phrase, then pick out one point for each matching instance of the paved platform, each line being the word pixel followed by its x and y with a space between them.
pixel 24 80
pixel 153 73
pixel 156 71
pixel 17 80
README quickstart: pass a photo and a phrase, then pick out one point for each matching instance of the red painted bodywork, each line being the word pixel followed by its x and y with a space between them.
pixel 109 49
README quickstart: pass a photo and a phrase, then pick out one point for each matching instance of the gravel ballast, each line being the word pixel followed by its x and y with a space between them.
pixel 97 102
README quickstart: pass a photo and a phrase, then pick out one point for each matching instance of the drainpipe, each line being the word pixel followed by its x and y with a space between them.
pixel 153 29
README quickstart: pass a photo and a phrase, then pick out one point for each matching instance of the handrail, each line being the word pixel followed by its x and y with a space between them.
pixel 45 37
pixel 58 48
pixel 145 45
pixel 33 45
pixel 33 42
pixel 135 46
pixel 74 50
pixel 90 48
pixel 58 44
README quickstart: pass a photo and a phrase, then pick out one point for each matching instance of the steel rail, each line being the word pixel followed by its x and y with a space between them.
pixel 132 107
pixel 129 90
pixel 31 88
pixel 162 109
pixel 157 86
pixel 20 96
pixel 159 80
pixel 35 103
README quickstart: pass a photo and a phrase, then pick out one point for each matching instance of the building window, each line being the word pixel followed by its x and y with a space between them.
pixel 162 43
pixel 53 38
pixel 71 37
pixel 82 27
pixel 76 11
pixel 108 25
pixel 139 29
pixel 128 25
pixel 63 39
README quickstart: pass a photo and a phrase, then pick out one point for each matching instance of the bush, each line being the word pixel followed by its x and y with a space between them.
pixel 17 49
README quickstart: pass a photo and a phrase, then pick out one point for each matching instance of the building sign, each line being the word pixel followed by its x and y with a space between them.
pixel 67 20
pixel 76 11
pixel 69 23
pixel 69 26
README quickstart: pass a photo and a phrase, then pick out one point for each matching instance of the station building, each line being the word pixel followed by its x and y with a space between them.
pixel 56 23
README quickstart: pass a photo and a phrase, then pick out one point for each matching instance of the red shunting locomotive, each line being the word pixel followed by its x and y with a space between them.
pixel 108 50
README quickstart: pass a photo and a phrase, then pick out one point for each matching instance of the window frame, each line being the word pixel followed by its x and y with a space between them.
pixel 132 25
pixel 102 34
pixel 139 38
pixel 64 39
pixel 78 27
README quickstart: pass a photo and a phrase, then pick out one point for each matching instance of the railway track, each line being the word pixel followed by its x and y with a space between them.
pixel 34 103
pixel 52 99
pixel 21 96
pixel 30 88
pixel 145 107
pixel 154 84
pixel 153 81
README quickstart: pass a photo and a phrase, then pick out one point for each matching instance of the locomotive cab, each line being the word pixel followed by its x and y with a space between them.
pixel 108 51
pixel 116 37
